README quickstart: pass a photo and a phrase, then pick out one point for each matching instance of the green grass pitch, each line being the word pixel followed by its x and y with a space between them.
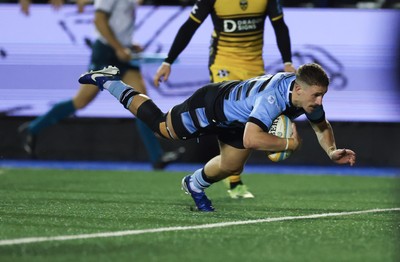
pixel 51 203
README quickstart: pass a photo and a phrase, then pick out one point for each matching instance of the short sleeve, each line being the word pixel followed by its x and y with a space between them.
pixel 104 5
pixel 265 110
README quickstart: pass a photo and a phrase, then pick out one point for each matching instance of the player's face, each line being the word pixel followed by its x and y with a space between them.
pixel 311 97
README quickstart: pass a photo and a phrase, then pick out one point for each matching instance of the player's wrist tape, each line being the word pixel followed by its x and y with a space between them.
pixel 287 144
pixel 165 63
pixel 287 63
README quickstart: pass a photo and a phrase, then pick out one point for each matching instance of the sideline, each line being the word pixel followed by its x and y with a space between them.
pixel 28 240
pixel 337 170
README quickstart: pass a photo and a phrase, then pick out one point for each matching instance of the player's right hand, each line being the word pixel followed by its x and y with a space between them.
pixel 162 74
pixel 123 54
pixel 296 139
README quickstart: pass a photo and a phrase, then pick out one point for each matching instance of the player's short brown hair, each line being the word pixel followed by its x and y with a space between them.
pixel 312 74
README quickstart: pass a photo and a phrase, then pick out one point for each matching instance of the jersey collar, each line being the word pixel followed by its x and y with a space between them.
pixel 289 93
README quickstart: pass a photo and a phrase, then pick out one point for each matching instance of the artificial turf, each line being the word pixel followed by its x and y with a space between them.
pixel 47 203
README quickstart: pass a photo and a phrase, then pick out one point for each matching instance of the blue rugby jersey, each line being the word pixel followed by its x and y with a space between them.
pixel 261 99
pixel 232 104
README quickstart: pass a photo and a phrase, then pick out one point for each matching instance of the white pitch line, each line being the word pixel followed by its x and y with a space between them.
pixel 27 240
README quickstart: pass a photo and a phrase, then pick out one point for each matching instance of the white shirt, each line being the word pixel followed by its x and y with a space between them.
pixel 122 15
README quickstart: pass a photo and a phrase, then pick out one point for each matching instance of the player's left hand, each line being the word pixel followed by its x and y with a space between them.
pixel 289 68
pixel 123 54
pixel 162 74
pixel 296 138
pixel 343 156
pixel 137 48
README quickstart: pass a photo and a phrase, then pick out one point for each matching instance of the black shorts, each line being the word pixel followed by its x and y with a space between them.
pixel 205 97
pixel 232 136
pixel 104 55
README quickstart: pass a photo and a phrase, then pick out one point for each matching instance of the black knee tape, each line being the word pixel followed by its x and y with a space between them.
pixel 150 114
pixel 126 95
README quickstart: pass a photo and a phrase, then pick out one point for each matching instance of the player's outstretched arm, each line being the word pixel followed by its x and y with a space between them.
pixel 326 139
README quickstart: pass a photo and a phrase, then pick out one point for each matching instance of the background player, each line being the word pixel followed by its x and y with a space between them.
pixel 114 21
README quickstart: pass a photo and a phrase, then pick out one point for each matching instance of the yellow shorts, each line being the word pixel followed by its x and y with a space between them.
pixel 221 73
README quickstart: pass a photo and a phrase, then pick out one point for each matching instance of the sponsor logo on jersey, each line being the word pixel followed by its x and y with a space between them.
pixel 242 25
pixel 271 99
pixel 194 9
pixel 243 4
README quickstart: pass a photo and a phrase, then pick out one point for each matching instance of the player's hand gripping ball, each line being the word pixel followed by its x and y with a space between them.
pixel 282 127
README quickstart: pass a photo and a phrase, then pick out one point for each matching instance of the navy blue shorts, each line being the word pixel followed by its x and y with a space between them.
pixel 188 111
pixel 104 55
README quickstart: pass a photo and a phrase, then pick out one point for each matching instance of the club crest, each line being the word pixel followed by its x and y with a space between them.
pixel 243 4
pixel 223 73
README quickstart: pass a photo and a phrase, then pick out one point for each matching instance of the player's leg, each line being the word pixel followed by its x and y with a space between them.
pixel 57 113
pixel 223 72
pixel 151 143
pixel 85 95
pixel 158 158
pixel 231 161
pixel 137 103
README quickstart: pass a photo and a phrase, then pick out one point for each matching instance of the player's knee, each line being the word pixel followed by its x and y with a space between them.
pixel 232 170
pixel 79 103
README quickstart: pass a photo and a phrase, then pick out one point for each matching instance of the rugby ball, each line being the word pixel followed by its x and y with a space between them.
pixel 282 127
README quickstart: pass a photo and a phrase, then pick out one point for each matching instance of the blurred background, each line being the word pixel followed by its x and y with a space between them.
pixel 43 54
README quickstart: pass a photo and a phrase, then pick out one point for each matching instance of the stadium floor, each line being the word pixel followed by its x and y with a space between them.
pixel 186 167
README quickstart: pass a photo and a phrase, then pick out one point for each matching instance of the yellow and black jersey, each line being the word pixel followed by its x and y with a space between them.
pixel 237 39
